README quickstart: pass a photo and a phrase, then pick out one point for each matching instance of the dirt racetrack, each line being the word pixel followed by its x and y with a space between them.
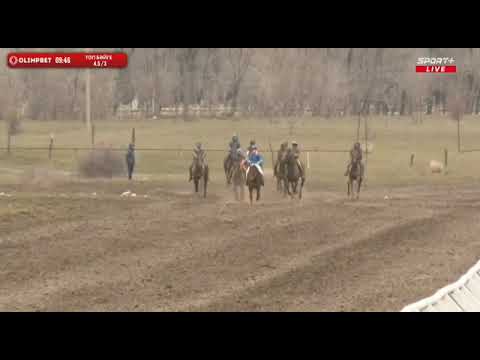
pixel 174 251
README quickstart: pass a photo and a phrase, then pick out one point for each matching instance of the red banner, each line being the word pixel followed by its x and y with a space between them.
pixel 437 69
pixel 67 60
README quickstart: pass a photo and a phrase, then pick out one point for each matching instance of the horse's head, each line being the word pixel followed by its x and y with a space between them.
pixel 199 161
pixel 252 172
pixel 290 157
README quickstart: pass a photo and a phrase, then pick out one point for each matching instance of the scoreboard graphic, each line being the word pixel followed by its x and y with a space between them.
pixel 67 60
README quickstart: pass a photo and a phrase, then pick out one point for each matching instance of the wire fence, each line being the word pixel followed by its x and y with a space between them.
pixel 46 148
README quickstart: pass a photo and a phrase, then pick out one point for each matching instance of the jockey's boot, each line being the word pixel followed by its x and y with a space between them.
pixel 348 170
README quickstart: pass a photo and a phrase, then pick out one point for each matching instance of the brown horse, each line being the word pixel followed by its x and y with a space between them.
pixel 355 174
pixel 292 176
pixel 279 172
pixel 254 181
pixel 200 171
pixel 238 179
pixel 228 164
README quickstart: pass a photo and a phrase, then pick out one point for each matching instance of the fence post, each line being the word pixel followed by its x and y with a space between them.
pixel 446 157
pixel 9 136
pixel 133 136
pixel 412 157
pixel 93 135
pixel 50 147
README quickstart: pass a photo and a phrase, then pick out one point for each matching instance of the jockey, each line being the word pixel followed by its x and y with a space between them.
pixel 355 155
pixel 198 152
pixel 296 154
pixel 280 155
pixel 239 160
pixel 250 147
pixel 256 159
pixel 234 145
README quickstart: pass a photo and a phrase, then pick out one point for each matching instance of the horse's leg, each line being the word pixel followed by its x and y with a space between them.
pixel 195 180
pixel 205 182
pixel 359 184
pixel 250 190
pixel 258 192
pixel 242 191
pixel 290 189
pixel 287 186
pixel 301 187
pixel 226 166
pixel 348 188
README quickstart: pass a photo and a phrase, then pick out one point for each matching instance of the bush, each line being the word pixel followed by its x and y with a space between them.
pixel 14 125
pixel 102 162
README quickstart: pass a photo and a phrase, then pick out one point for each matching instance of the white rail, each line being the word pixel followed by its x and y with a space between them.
pixel 461 296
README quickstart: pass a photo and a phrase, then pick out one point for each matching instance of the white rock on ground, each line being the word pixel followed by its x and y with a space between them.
pixel 436 166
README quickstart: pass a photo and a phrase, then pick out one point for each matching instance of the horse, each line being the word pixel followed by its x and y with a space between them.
pixel 254 181
pixel 239 180
pixel 200 171
pixel 355 174
pixel 227 167
pixel 279 173
pixel 292 175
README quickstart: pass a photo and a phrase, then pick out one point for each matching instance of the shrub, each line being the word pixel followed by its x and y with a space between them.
pixel 101 162
pixel 13 123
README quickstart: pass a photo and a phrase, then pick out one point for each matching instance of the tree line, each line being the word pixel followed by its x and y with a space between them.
pixel 324 82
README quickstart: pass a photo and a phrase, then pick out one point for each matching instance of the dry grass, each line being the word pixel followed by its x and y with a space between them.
pixel 396 139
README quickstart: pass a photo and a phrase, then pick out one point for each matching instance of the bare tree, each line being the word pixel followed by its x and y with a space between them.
pixel 239 60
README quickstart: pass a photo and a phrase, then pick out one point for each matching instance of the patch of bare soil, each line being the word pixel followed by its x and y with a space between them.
pixel 175 251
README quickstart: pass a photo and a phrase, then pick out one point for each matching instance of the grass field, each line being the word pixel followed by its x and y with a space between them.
pixel 394 140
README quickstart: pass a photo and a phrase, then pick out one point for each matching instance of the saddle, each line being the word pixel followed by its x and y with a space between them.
pixel 258 167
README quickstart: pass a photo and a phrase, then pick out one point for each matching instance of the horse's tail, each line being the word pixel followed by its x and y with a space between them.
pixel 206 172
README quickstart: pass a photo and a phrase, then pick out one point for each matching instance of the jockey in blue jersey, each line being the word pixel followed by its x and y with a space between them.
pixel 256 159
